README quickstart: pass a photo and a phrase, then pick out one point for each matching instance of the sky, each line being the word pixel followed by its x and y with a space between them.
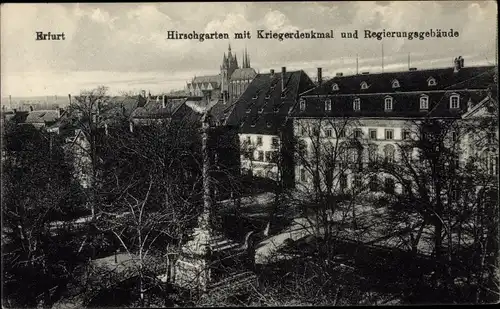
pixel 124 46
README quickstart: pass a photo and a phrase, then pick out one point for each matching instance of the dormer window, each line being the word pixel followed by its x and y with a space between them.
pixel 328 105
pixel 388 104
pixel 395 84
pixel 268 96
pixel 253 126
pixel 283 94
pixel 302 104
pixel 424 102
pixel 256 96
pixel 364 85
pixel 356 104
pixel 454 101
pixel 335 87
pixel 261 110
pixel 248 110
pixel 276 109
pixel 431 81
pixel 268 124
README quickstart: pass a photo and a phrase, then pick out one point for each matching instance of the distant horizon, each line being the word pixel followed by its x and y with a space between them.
pixel 398 67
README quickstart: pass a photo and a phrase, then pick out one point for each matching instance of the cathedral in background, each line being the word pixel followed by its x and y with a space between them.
pixel 229 84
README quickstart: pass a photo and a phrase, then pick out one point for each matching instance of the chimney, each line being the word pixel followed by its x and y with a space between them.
pixel 163 103
pixel 456 66
pixel 143 93
pixel 461 61
pixel 413 69
pixel 340 74
pixel 31 108
pixel 272 73
pixel 69 96
pixel 320 77
pixel 59 112
pixel 283 71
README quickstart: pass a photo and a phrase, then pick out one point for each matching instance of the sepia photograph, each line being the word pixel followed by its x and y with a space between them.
pixel 249 154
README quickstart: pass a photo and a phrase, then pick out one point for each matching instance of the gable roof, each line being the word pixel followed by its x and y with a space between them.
pixel 213 79
pixel 245 73
pixel 262 101
pixel 42 117
pixel 446 79
pixel 153 109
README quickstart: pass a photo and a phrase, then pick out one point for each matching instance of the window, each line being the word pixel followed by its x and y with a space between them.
pixel 424 102
pixel 388 104
pixel 303 175
pixel 261 110
pixel 358 133
pixel 276 109
pixel 315 132
pixel 283 94
pixel 395 84
pixel 328 105
pixel 255 97
pixel 373 133
pixel 389 185
pixel 454 136
pixel 372 153
pixel 357 182
pixel 302 148
pixel 248 110
pixel 302 104
pixel 341 133
pixel 356 104
pixel 431 81
pixel 343 181
pixel 260 156
pixel 454 101
pixel 328 132
pixel 267 96
pixel 249 140
pixel 364 85
pixel 303 131
pixel 268 156
pixel 335 87
pixel 389 153
pixel 373 183
pixel 389 134
pixel 406 134
pixel 259 140
pixel 275 142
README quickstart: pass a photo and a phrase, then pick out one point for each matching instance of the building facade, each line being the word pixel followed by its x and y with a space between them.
pixel 349 123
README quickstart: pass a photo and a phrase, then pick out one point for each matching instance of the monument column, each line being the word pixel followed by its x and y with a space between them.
pixel 192 269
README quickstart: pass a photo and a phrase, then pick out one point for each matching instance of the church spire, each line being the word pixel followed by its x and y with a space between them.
pixel 246 59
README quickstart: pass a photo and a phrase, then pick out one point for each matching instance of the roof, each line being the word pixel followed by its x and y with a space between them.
pixel 263 100
pixel 153 109
pixel 207 79
pixel 471 84
pixel 42 117
pixel 466 77
pixel 246 73
pixel 404 105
